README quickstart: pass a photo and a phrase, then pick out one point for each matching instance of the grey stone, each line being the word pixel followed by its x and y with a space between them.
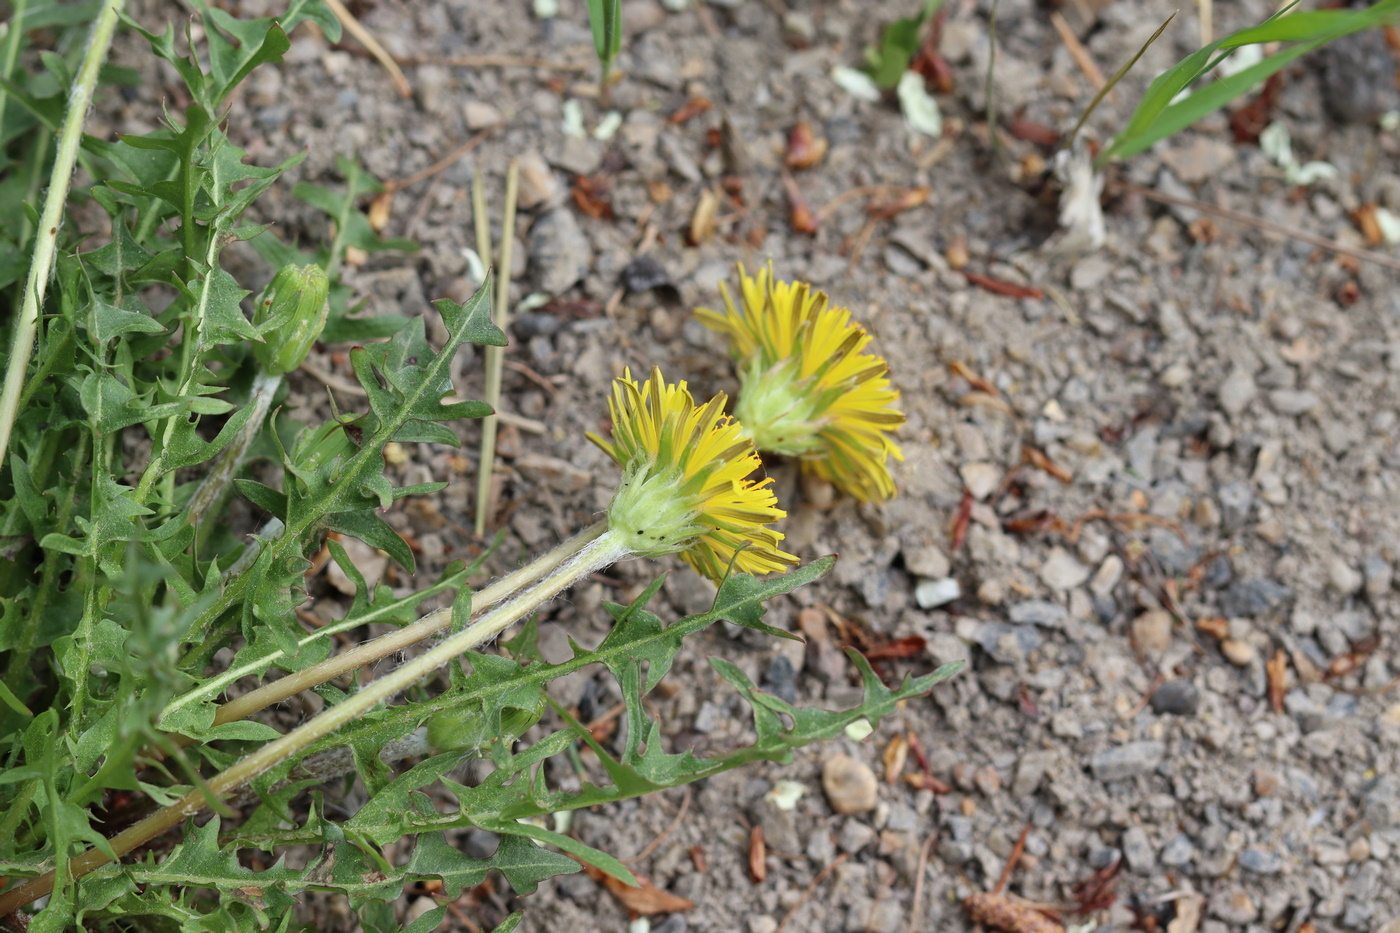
pixel 1103 856
pixel 1260 861
pixel 560 255
pixel 854 836
pixel 780 678
pixel 1137 849
pixel 1236 501
pixel 928 561
pixel 1237 391
pixel 674 923
pixel 1062 571
pixel 1293 402
pixel 1008 643
pixel 1233 905
pixel 850 785
pixel 1178 852
pixel 1380 802
pixel 1175 555
pixel 1128 760
pixel 1039 612
pixel 1176 698
pixel 1030 771
pixel 577 888
pixel 930 594
pixel 1342 576
pixel 1253 596
pixel 1379 576
pixel 780 829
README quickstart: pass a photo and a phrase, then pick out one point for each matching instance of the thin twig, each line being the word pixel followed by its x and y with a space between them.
pixel 441 164
pixel 1249 220
pixel 810 888
pixel 917 908
pixel 1012 859
pixel 46 241
pixel 990 101
pixel 1207 12
pixel 371 44
pixel 1081 55
pixel 661 837
pixel 485 61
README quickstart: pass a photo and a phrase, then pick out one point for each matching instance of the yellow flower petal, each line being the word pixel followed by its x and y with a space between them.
pixel 685 481
pixel 808 387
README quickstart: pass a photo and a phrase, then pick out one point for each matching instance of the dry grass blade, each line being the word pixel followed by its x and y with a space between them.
pixel 1081 56
pixel 365 38
pixel 500 317
pixel 1117 76
pixel 1268 226
pixel 441 164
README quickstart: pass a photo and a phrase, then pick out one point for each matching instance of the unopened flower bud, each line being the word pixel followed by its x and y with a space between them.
pixel 290 316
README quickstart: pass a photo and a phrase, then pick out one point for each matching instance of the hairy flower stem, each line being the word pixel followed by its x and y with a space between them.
pixel 385 645
pixel 594 556
pixel 46 242
pixel 213 489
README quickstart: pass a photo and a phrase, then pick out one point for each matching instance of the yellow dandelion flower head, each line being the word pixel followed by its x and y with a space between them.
pixel 808 388
pixel 685 485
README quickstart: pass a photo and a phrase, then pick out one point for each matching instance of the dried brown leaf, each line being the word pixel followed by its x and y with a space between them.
pixel 691 109
pixel 1001 913
pixel 960 369
pixel 920 780
pixel 379 210
pixel 805 146
pixel 1001 287
pixel 590 194
pixel 702 222
pixel 758 856
pixel 1276 669
pixel 1040 461
pixel 1215 626
pixel 645 899
pixel 803 220
pixel 895 755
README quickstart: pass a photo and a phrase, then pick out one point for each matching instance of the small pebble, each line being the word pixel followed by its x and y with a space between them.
pixel 980 478
pixel 1127 760
pixel 1260 861
pixel 1061 571
pixel 1238 653
pixel 1342 576
pixel 930 594
pixel 851 787
pixel 1152 632
pixel 1177 698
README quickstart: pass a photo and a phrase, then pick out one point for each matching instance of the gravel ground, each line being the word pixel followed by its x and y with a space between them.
pixel 1239 389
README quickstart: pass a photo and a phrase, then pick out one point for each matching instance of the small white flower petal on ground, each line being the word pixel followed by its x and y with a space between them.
pixel 608 126
pixel 573 119
pixel 921 113
pixel 1389 225
pixel 1081 214
pixel 856 83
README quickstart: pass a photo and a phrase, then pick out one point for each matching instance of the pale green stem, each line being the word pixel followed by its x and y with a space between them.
pixel 375 649
pixel 46 241
pixel 495 356
pixel 598 554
